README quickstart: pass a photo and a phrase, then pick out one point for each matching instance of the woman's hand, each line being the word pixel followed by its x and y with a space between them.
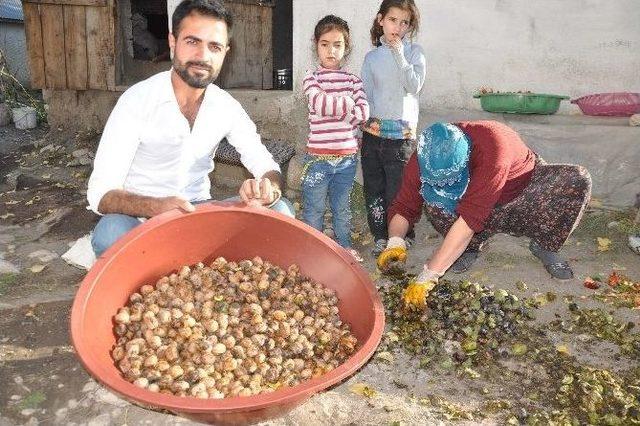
pixel 394 256
pixel 415 294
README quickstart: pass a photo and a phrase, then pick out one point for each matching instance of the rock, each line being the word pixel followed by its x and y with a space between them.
pixel 8 267
pixel 81 157
pixel 43 256
pixel 50 221
pixel 101 420
pixel 294 175
pixel 62 412
pixel 5 114
pixel 47 148
pixel 634 120
pixel 27 412
pixel 79 153
pixel 16 397
pixel 72 403
pixel 106 397
pixel 90 387
pixel 634 244
pixel 6 238
pixel 37 268
pixel 25 181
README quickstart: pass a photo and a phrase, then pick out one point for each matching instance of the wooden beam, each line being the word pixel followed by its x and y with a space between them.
pixel 95 3
pixel 267 47
pixel 75 40
pixel 53 45
pixel 33 32
pixel 100 48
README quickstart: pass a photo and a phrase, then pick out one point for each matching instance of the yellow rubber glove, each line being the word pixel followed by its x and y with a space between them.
pixel 415 294
pixel 396 252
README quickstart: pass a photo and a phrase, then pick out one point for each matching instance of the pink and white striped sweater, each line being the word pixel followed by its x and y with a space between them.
pixel 337 107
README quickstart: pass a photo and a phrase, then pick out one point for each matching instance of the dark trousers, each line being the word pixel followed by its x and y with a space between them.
pixel 383 162
pixel 547 211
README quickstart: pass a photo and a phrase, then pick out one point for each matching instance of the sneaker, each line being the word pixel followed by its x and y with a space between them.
pixel 379 247
pixel 553 263
pixel 356 255
pixel 464 262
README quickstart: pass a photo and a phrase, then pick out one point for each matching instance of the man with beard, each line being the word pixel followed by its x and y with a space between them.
pixel 157 148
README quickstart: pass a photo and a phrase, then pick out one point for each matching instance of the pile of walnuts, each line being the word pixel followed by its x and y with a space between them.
pixel 230 329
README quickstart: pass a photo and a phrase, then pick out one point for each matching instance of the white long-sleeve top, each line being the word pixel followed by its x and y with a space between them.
pixel 337 107
pixel 148 148
pixel 393 80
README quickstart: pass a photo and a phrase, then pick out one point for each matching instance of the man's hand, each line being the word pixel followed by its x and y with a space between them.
pixel 164 204
pixel 259 192
pixel 415 295
pixel 394 256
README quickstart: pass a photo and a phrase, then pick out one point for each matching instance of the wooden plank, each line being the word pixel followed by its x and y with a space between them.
pixel 70 2
pixel 267 47
pixel 33 32
pixel 75 40
pixel 53 45
pixel 100 47
pixel 253 49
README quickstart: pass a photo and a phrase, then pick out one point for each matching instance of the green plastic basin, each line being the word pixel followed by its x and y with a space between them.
pixel 520 103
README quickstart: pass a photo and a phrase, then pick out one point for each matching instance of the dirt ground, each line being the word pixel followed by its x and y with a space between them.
pixel 43 177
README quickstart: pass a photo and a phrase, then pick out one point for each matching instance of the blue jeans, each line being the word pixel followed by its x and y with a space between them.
pixel 333 178
pixel 112 227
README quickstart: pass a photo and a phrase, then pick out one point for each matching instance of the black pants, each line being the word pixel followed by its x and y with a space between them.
pixel 383 162
pixel 547 211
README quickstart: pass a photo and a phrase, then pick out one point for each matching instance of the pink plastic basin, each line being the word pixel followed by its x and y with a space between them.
pixel 621 104
pixel 162 244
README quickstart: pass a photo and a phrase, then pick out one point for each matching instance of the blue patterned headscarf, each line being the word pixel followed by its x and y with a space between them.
pixel 443 156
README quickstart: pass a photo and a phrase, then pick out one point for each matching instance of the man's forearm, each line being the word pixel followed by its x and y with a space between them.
pixel 123 202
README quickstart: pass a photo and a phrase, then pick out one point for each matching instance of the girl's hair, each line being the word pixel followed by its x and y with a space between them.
pixel 332 22
pixel 407 5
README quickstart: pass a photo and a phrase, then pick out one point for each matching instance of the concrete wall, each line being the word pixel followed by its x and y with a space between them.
pixel 14 46
pixel 569 47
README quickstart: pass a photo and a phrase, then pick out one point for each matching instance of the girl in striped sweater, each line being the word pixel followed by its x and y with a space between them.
pixel 337 107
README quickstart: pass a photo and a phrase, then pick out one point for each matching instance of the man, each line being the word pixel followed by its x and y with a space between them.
pixel 475 179
pixel 157 147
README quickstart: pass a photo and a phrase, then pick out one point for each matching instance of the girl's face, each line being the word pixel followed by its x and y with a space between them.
pixel 395 23
pixel 331 47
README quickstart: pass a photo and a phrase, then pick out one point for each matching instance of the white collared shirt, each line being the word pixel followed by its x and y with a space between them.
pixel 147 147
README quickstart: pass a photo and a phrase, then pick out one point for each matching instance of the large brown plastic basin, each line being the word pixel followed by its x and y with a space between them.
pixel 166 242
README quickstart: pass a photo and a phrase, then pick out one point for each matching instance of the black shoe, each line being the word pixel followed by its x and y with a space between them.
pixel 553 263
pixel 464 262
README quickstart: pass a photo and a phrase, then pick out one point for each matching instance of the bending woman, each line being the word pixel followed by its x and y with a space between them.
pixel 478 178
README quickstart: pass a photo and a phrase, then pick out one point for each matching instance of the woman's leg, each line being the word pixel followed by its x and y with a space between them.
pixel 549 208
pixel 547 212
pixel 339 197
